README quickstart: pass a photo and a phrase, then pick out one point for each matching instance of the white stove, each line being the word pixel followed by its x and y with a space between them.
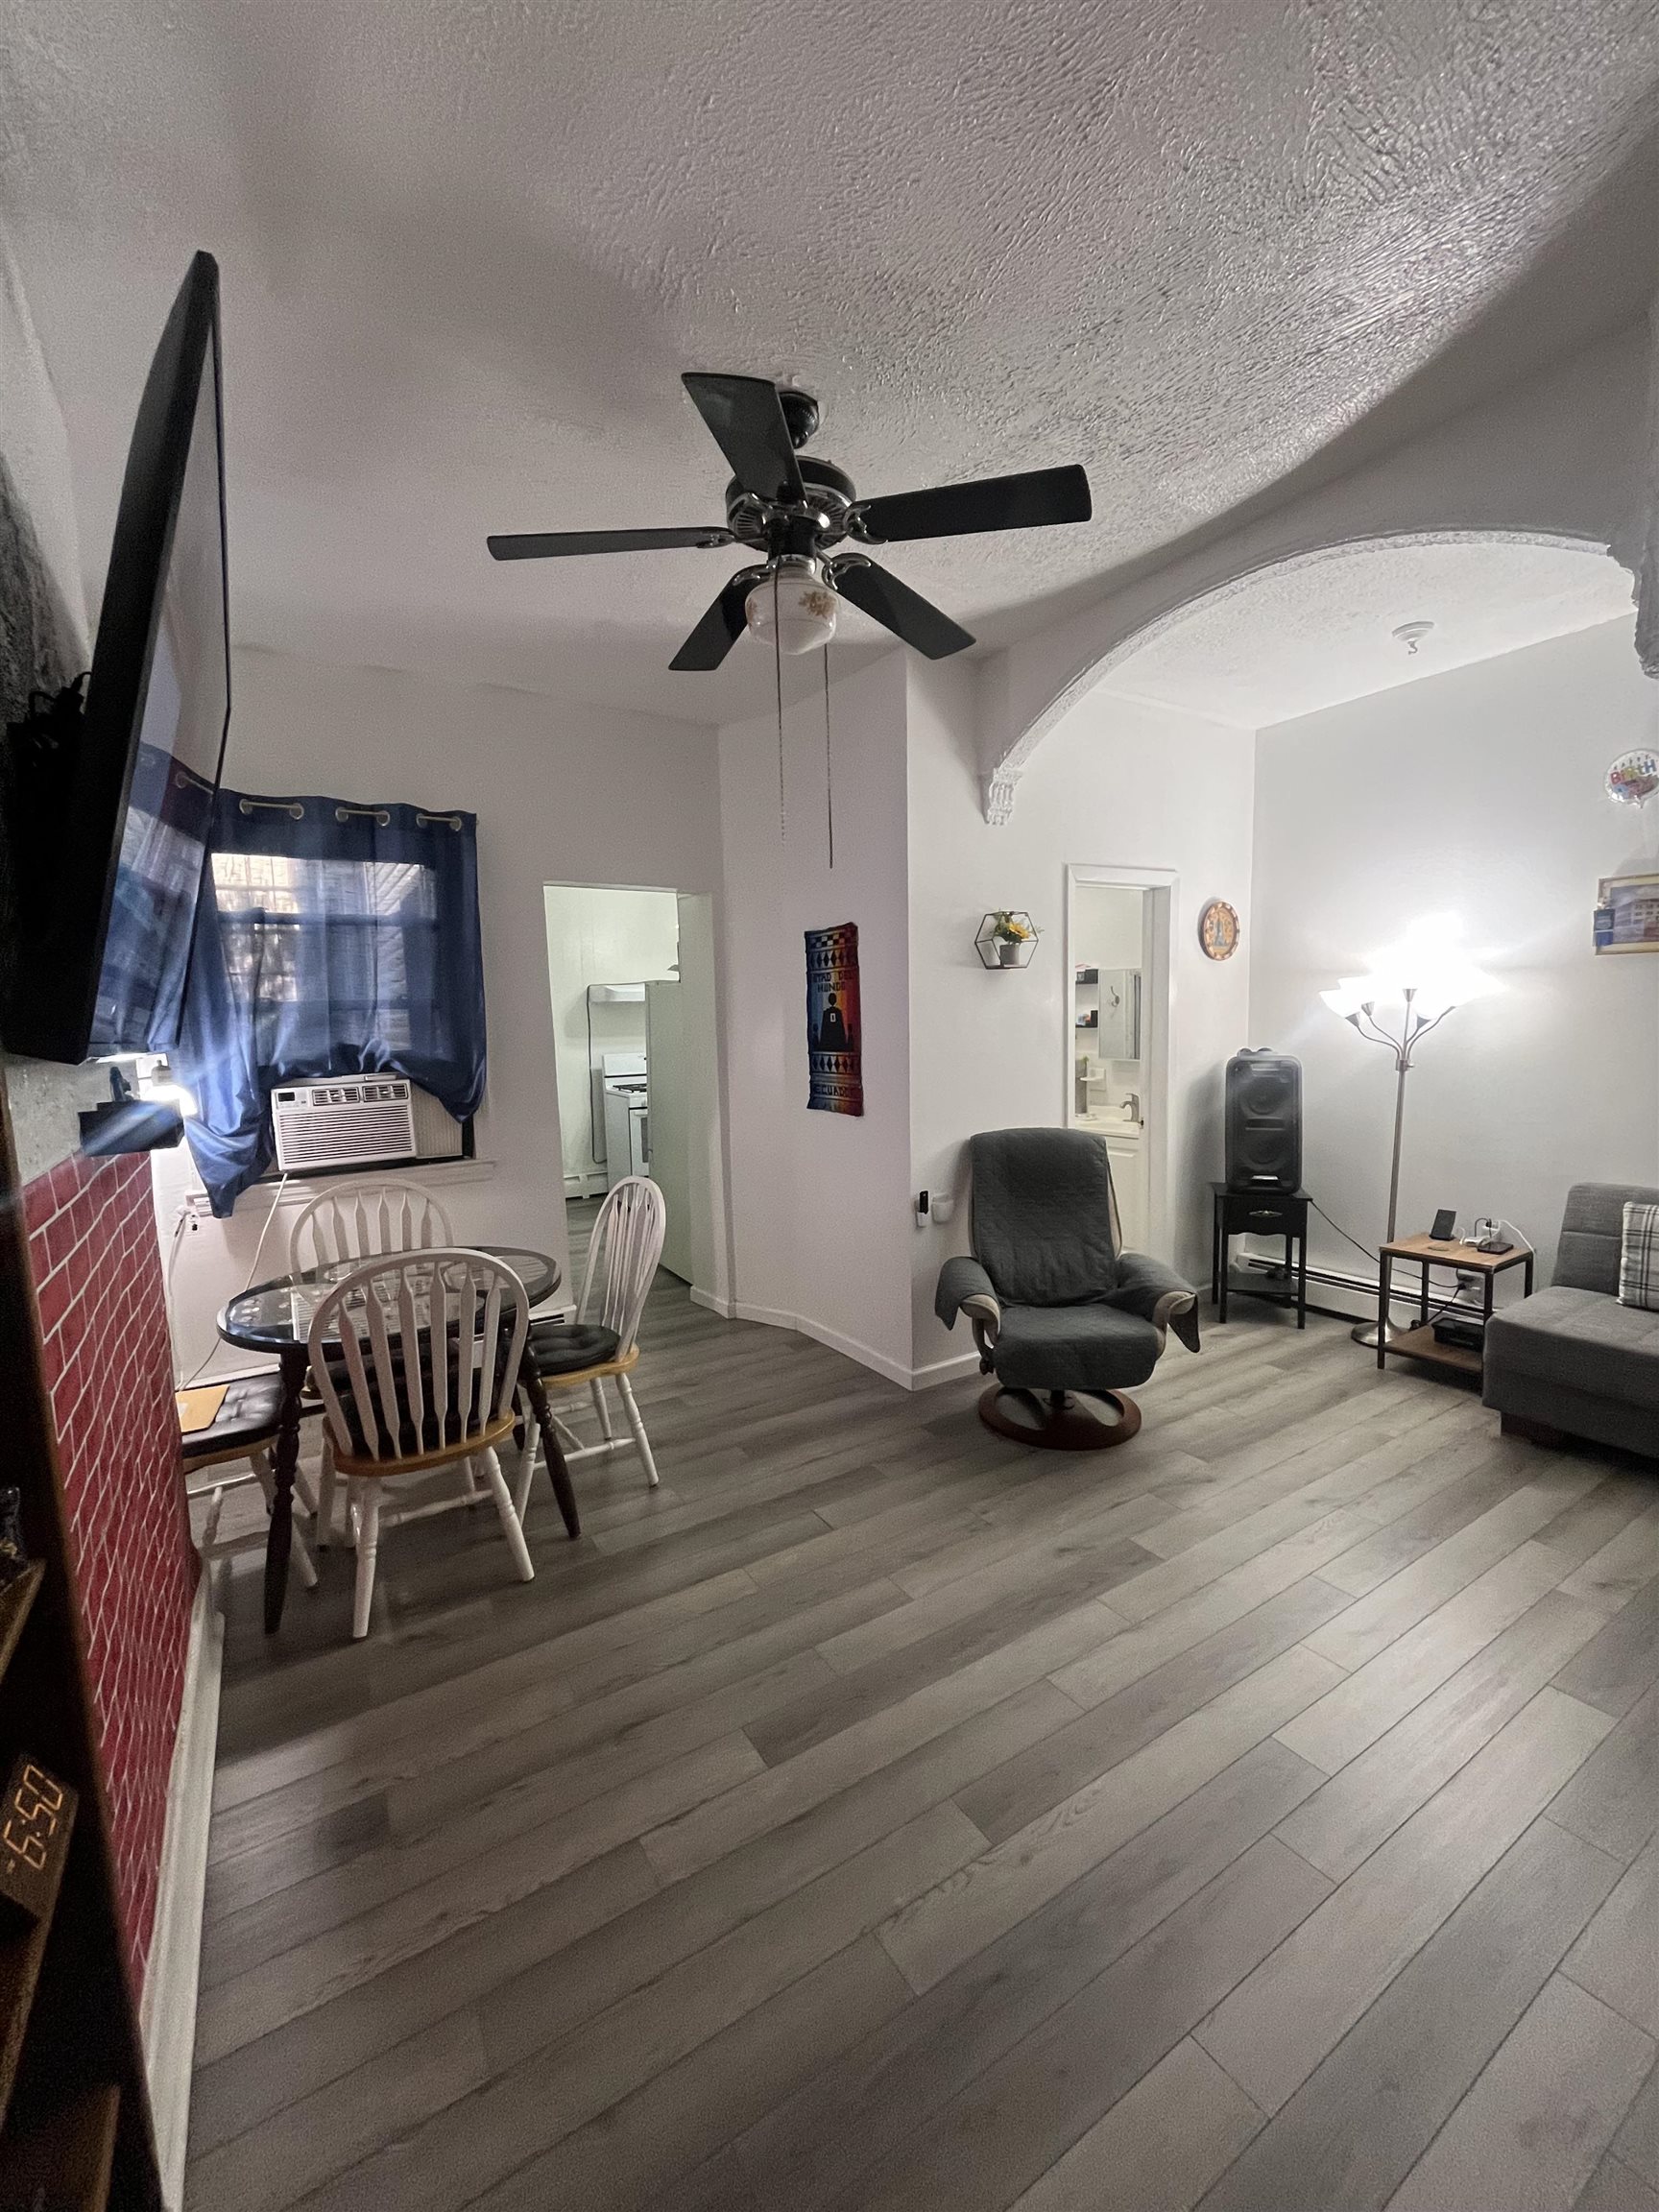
pixel 627 1120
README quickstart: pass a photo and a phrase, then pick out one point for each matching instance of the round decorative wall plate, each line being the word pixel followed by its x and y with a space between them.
pixel 1218 930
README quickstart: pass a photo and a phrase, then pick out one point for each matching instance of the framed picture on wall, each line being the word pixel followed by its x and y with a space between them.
pixel 1627 914
pixel 835 1022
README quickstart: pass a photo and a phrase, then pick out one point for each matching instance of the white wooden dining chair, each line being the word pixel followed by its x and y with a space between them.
pixel 415 1356
pixel 359 1220
pixel 622 1257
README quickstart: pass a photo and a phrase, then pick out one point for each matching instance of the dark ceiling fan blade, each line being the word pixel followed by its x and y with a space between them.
pixel 746 415
pixel 719 629
pixel 898 608
pixel 543 544
pixel 994 503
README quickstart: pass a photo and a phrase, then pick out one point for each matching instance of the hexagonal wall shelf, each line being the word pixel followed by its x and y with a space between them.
pixel 1007 938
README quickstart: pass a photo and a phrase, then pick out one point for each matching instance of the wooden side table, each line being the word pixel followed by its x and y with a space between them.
pixel 1260 1213
pixel 1425 1254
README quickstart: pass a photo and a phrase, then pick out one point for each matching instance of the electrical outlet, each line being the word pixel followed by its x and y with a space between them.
pixel 198 1208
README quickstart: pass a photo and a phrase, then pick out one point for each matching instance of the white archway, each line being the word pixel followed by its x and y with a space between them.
pixel 1569 458
pixel 1144 627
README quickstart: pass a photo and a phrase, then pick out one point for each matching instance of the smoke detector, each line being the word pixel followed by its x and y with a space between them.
pixel 1411 635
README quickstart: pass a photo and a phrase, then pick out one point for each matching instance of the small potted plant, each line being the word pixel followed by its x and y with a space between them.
pixel 1008 932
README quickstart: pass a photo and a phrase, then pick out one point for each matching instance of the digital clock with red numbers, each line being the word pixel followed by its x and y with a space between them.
pixel 35 1817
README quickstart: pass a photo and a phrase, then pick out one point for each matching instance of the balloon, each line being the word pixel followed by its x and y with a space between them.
pixel 1633 777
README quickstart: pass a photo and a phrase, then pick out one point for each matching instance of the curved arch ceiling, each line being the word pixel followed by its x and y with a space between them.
pixel 469 244
pixel 1313 633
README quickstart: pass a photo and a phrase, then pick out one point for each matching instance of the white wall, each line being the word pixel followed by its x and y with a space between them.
pixel 600 935
pixel 819 1211
pixel 563 794
pixel 1117 783
pixel 1478 793
pixel 44 642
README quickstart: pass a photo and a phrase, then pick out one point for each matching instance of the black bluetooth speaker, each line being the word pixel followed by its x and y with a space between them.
pixel 1263 1121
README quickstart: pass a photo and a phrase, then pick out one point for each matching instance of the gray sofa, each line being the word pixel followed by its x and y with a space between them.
pixel 1572 1360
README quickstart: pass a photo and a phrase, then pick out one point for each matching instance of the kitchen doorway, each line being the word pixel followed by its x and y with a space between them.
pixel 1118 944
pixel 630 977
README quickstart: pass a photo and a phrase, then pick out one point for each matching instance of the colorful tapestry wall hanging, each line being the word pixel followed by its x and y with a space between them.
pixel 834 1026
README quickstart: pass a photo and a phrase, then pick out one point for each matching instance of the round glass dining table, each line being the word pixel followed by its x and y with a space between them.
pixel 277 1316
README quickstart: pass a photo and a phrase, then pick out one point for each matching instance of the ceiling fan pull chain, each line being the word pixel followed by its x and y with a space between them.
pixel 777 676
pixel 829 769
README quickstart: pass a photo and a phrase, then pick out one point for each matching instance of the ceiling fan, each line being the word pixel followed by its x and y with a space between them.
pixel 793 509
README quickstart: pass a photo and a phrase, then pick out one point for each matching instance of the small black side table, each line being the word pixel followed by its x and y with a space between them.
pixel 1260 1213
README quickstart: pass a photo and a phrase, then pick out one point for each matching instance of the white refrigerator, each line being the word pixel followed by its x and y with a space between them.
pixel 668 1137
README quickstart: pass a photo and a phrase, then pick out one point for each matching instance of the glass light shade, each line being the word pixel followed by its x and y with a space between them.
pixel 1429 961
pixel 804 606
pixel 1349 996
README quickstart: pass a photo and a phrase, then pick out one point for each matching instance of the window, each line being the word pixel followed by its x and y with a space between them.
pixel 339 940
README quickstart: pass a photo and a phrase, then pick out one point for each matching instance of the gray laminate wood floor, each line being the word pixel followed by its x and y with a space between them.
pixel 880 1815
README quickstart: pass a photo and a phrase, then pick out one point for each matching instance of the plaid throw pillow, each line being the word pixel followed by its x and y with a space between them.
pixel 1639 1258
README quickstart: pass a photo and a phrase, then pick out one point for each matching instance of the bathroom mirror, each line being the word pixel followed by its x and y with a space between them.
pixel 1120 1030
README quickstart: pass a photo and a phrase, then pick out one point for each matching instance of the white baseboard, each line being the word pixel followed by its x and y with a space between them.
pixel 774 1318
pixel 952 1370
pixel 167 2011
pixel 850 1347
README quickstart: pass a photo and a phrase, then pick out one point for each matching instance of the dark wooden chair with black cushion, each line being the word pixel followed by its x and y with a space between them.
pixel 243 1427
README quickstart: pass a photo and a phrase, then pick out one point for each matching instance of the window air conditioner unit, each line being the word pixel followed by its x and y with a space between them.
pixel 346 1124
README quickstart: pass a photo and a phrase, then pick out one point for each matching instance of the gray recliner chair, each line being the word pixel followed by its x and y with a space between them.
pixel 1063 1318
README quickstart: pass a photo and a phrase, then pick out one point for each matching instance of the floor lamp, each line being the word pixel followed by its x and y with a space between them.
pixel 1410 990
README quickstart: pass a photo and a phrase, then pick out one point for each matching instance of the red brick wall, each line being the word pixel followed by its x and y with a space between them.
pixel 109 1368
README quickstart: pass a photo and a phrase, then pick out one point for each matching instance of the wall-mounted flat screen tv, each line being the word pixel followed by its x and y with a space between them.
pixel 109 837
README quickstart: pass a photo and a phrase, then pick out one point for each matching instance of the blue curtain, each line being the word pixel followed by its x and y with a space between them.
pixel 332 939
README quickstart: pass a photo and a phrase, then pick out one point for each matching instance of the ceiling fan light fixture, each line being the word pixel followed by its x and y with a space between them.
pixel 803 605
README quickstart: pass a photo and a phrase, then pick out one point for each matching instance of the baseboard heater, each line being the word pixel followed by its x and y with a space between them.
pixel 1336 1278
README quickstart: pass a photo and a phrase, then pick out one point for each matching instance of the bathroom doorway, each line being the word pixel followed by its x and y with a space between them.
pixel 1117 1043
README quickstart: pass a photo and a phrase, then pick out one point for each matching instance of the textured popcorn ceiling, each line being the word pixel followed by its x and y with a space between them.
pixel 469 244
pixel 1312 634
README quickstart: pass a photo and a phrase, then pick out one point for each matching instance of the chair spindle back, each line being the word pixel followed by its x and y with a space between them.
pixel 417 1352
pixel 622 1258
pixel 360 1220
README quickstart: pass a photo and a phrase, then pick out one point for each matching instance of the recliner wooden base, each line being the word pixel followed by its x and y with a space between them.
pixel 1060 1420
